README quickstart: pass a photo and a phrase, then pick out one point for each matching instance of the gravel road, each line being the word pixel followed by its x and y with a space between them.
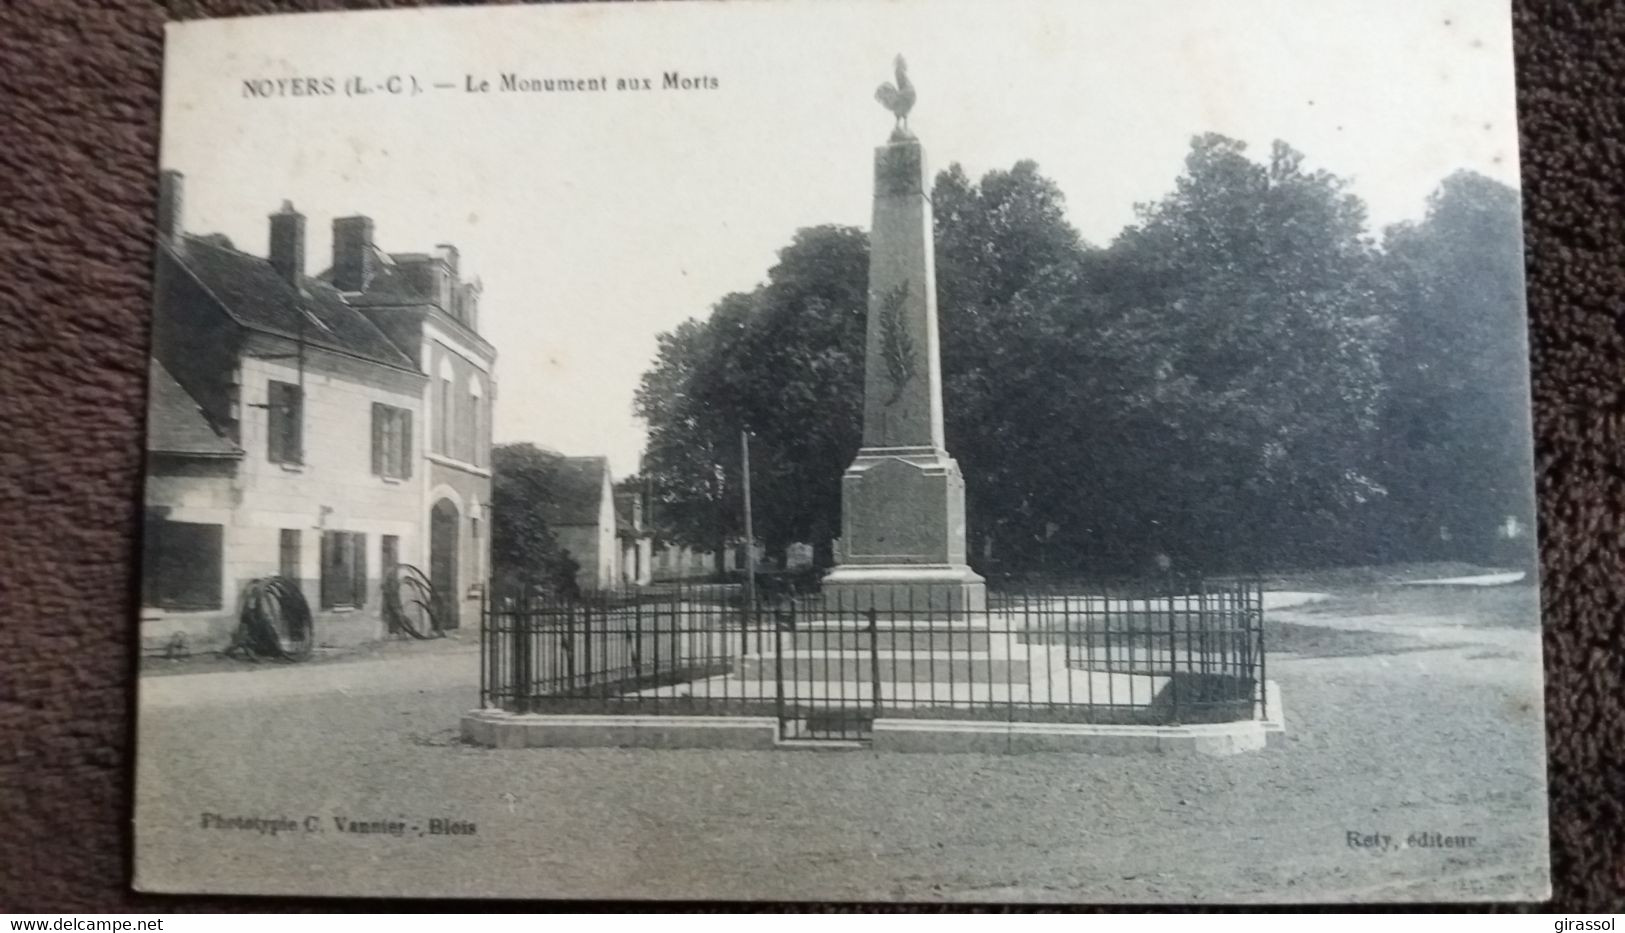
pixel 1422 723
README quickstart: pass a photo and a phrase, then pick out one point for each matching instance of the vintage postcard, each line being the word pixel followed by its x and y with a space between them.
pixel 869 450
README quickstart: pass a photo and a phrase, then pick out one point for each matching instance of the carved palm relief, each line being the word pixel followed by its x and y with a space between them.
pixel 896 346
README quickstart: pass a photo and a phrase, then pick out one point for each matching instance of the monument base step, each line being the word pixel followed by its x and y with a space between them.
pixel 859 668
pixel 904 588
pixel 889 639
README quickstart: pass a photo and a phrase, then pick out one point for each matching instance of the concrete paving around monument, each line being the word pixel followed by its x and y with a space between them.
pixel 499 729
pixel 1393 695
pixel 1035 673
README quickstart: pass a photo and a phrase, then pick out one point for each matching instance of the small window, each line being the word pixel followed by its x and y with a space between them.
pixel 476 421
pixel 288 554
pixel 445 439
pixel 181 565
pixel 344 570
pixel 391 441
pixel 286 441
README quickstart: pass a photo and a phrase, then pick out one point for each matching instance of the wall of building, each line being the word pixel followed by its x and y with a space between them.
pixel 470 493
pixel 679 562
pixel 581 542
pixel 457 452
pixel 195 491
pixel 594 548
pixel 636 561
pixel 333 490
pixel 464 438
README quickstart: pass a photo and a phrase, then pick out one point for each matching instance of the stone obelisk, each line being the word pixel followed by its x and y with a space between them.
pixel 903 498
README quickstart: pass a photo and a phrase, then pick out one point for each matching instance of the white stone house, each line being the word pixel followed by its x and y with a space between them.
pixel 634 539
pixel 425 307
pixel 581 514
pixel 286 436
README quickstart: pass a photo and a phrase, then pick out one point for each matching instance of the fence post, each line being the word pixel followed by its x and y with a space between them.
pixel 568 640
pixel 586 649
pixel 521 660
pixel 1257 590
pixel 485 644
pixel 778 669
pixel 1173 657
pixel 674 657
pixel 637 643
pixel 874 657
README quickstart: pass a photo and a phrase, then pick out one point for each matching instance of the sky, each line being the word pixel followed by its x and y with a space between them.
pixel 597 220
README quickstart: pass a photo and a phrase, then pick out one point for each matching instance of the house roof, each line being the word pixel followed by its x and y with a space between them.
pixel 386 283
pixel 259 298
pixel 578 490
pixel 175 422
pixel 389 288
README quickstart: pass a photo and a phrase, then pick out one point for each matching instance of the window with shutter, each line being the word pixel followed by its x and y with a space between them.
pixel 332 568
pixel 391 441
pixel 358 570
pixel 445 437
pixel 380 415
pixel 406 444
pixel 285 424
pixel 344 570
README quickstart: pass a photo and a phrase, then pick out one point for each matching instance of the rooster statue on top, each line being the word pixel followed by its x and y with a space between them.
pixel 898 98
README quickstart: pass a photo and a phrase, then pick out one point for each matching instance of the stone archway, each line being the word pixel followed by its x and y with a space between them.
pixel 443 549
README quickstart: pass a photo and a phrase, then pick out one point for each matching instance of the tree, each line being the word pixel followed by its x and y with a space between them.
pixel 1010 286
pixel 797 382
pixel 783 362
pixel 688 458
pixel 1205 389
pixel 524 551
pixel 1248 388
pixel 1455 444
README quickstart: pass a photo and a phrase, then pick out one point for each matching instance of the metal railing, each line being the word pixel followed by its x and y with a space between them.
pixel 826 665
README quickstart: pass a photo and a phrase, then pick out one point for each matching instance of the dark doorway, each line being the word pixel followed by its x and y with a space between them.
pixel 443 522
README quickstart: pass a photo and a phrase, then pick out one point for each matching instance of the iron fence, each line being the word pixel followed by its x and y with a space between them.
pixel 827 665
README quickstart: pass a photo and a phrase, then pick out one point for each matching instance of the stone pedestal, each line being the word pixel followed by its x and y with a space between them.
pixel 903 535
pixel 903 498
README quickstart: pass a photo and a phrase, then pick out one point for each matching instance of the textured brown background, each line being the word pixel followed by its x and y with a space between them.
pixel 79 94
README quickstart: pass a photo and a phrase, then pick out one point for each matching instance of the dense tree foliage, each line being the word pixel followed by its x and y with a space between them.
pixel 784 362
pixel 1241 380
pixel 1456 431
pixel 1246 363
pixel 524 551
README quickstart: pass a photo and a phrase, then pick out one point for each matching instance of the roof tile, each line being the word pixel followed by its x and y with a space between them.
pixel 253 293
pixel 175 422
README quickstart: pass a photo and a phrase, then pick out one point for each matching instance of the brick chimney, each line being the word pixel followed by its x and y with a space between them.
pixel 288 244
pixel 468 304
pixel 447 254
pixel 352 253
pixel 170 203
pixel 445 278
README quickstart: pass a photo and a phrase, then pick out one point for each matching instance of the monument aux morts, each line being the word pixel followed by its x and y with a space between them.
pixel 903 498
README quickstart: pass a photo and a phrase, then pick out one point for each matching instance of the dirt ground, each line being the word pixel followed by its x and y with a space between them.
pixel 1413 713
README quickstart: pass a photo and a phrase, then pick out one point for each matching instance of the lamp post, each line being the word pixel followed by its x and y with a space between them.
pixel 749 617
